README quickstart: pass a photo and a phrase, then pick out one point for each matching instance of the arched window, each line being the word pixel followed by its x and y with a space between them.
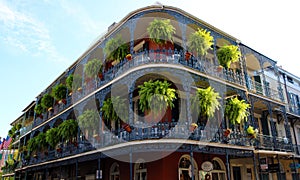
pixel 185 168
pixel 219 170
pixel 140 170
pixel 115 171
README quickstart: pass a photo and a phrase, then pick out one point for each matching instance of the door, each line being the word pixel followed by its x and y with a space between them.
pixel 236 173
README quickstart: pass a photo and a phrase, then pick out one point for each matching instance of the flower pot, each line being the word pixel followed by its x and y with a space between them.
pixel 187 56
pixel 62 101
pixel 97 137
pixel 50 109
pixel 129 57
pixel 79 89
pixel 59 150
pixel 219 69
pixel 127 128
pixel 100 75
pixel 40 116
pixel 193 126
pixel 227 132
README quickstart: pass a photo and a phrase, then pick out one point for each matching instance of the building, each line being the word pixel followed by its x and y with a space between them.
pixel 133 142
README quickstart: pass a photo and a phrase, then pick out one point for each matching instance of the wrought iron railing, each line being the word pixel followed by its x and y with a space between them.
pixel 274 143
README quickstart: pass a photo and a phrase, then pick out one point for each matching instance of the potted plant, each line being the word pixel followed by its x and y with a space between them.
pixel 89 120
pixel 74 82
pixel 200 41
pixel 227 132
pixel 53 137
pixel 68 129
pixel 156 97
pixel 32 145
pixel 129 57
pixel 205 102
pixel 59 93
pixel 116 49
pixel 93 68
pixel 114 109
pixel 228 54
pixel 47 102
pixel 41 141
pixel 38 109
pixel 161 31
pixel 252 133
pixel 193 126
pixel 236 110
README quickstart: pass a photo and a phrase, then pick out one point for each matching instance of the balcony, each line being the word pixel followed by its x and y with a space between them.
pixel 260 89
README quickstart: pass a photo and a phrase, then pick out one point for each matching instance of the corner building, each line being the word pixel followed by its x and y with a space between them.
pixel 166 147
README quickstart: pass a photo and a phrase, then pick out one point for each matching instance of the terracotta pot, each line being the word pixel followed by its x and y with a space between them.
pixel 127 128
pixel 193 127
pixel 62 101
pixel 129 57
pixel 100 75
pixel 187 56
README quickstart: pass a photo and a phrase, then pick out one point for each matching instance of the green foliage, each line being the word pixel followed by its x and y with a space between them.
pixel 250 130
pixel 59 92
pixel 228 54
pixel 73 82
pixel 32 144
pixel 205 102
pixel 161 31
pixel 53 137
pixel 200 41
pixel 116 49
pixel 69 81
pixel 68 129
pixel 92 68
pixel 236 110
pixel 89 119
pixel 38 109
pixel 47 101
pixel 41 140
pixel 156 96
pixel 114 108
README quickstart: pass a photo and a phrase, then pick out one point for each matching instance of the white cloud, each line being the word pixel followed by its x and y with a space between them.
pixel 26 34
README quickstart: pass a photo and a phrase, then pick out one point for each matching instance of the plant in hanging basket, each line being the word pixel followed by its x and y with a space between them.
pixel 228 54
pixel 161 31
pixel 236 110
pixel 47 101
pixel 156 97
pixel 252 133
pixel 93 68
pixel 68 129
pixel 59 92
pixel 52 137
pixel 205 102
pixel 116 49
pixel 200 42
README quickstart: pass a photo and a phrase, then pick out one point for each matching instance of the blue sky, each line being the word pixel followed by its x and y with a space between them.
pixel 40 39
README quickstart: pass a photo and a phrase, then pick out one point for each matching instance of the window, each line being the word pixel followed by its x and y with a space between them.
pixel 289 79
pixel 140 170
pixel 218 172
pixel 114 172
pixel 185 168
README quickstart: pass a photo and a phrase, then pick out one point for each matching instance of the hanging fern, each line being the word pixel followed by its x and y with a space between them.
pixel 59 92
pixel 205 102
pixel 200 41
pixel 236 110
pixel 156 96
pixel 116 49
pixel 115 108
pixel 38 109
pixel 41 140
pixel 228 54
pixel 52 137
pixel 68 129
pixel 89 119
pixel 47 101
pixel 92 68
pixel 32 144
pixel 161 31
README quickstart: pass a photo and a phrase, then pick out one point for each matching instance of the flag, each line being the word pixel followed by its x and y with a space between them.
pixel 6 142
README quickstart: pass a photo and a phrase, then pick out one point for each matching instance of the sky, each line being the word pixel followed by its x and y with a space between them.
pixel 40 39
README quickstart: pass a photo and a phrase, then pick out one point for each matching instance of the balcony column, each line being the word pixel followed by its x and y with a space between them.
pixel 186 83
pixel 255 166
pixel 265 89
pixel 182 26
pixel 132 26
pixel 76 169
pixel 228 166
pixel 286 126
pixel 279 88
pixel 242 63
pixel 272 124
pixel 192 161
